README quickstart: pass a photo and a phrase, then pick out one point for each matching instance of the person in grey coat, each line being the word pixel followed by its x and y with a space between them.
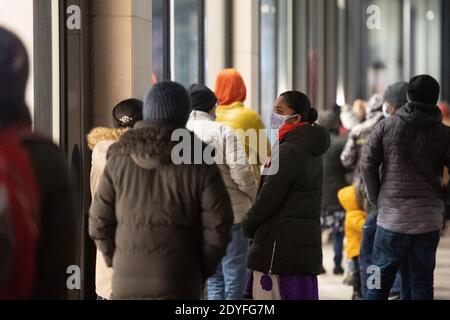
pixel 359 136
pixel 412 147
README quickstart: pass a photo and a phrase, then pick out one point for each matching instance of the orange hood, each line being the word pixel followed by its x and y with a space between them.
pixel 230 87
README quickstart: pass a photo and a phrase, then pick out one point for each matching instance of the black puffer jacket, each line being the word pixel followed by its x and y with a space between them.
pixel 162 227
pixel 413 147
pixel 284 222
pixel 334 174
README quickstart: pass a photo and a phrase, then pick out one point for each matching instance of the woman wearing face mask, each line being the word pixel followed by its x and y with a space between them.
pixel 284 222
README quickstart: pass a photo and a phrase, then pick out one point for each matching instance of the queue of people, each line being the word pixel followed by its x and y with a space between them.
pixel 396 204
pixel 190 201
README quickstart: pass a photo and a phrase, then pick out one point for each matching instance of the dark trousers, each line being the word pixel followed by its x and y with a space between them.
pixel 391 250
pixel 338 245
pixel 334 220
pixel 356 278
pixel 402 282
pixel 365 255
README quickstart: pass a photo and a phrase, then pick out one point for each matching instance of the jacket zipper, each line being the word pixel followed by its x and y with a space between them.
pixel 273 256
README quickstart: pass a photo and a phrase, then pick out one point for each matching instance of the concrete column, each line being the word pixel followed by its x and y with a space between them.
pixel 121 54
pixel 246 47
pixel 215 40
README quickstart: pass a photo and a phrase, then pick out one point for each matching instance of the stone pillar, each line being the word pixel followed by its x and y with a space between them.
pixel 121 54
pixel 246 47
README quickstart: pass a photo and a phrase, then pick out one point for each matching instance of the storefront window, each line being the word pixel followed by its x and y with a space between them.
pixel 159 34
pixel 268 58
pixel 385 65
pixel 178 40
pixel 285 45
pixel 426 37
pixel 187 45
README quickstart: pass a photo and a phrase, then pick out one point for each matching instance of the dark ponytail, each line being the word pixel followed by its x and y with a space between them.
pixel 301 105
pixel 313 116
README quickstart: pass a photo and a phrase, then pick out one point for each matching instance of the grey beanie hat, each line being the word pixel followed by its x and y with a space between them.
pixel 330 120
pixel 397 95
pixel 168 102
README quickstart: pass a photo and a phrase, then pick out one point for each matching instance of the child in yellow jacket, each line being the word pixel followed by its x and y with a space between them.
pixel 354 222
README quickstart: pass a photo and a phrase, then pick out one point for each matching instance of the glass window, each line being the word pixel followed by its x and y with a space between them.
pixel 268 58
pixel 285 45
pixel 187 47
pixel 276 53
pixel 426 37
pixel 385 65
pixel 178 40
pixel 158 38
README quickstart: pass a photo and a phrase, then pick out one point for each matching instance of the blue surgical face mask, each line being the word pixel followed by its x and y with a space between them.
pixel 278 120
pixel 386 114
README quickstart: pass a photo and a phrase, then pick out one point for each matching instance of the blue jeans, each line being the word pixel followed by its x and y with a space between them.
pixel 397 286
pixel 228 282
pixel 335 221
pixel 401 284
pixel 365 254
pixel 338 236
pixel 418 252
pixel 338 244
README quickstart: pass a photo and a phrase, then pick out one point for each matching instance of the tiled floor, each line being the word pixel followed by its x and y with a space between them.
pixel 332 288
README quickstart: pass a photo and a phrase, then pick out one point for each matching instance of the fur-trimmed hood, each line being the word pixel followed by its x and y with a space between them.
pixel 101 134
pixel 150 144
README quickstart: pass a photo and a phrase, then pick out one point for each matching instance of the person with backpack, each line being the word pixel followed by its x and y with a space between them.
pixel 20 205
pixel 411 148
pixel 37 189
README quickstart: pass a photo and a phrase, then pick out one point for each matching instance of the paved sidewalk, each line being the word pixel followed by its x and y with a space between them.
pixel 332 288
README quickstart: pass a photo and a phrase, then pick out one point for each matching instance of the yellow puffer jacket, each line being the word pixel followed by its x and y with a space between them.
pixel 238 117
pixel 354 221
